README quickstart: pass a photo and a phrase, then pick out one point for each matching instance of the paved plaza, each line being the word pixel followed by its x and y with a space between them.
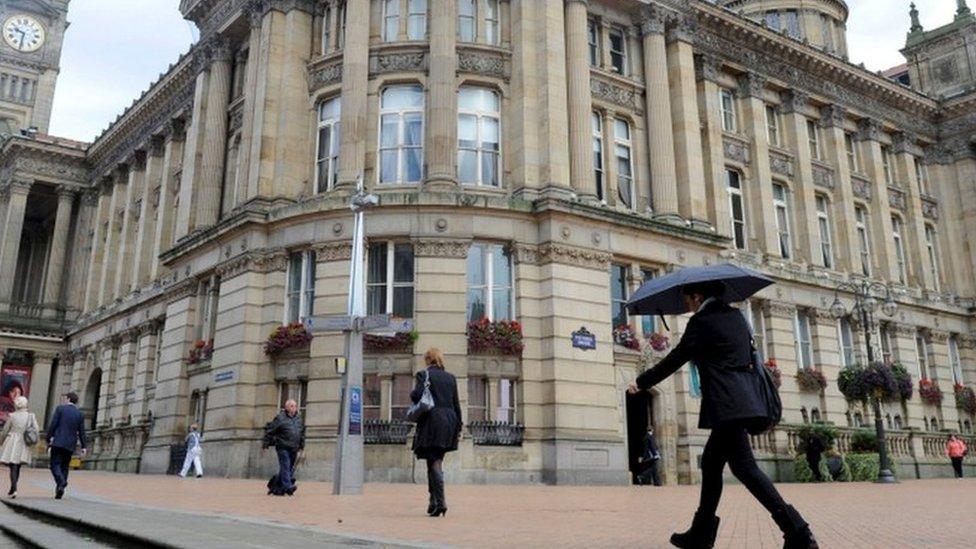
pixel 912 514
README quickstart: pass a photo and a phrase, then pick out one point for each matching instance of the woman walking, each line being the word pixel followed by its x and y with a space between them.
pixel 956 450
pixel 717 339
pixel 439 429
pixel 14 451
pixel 194 452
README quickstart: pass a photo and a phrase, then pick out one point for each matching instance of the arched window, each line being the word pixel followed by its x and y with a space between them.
pixel 479 136
pixel 401 147
pixel 327 155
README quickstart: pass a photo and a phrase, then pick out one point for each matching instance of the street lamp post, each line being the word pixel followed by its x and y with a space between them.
pixel 866 295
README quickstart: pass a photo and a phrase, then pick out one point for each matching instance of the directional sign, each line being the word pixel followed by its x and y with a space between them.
pixel 321 324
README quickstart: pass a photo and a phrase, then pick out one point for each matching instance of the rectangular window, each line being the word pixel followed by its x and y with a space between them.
pixel 327 157
pixel 922 176
pixel 648 322
pixel 813 135
pixel 896 230
pixel 479 136
pixel 389 279
pixel 853 160
pixel 772 125
pixel 400 399
pixel 326 27
pixel 208 296
pixel 301 286
pixel 827 32
pixel 492 18
pixel 416 19
pixel 954 360
pixel 791 24
pixel 737 208
pixel 625 166
pixel 824 226
pixel 597 123
pixel 477 399
pixel 889 176
pixel 401 148
pixel 782 206
pixel 922 353
pixel 467 21
pixel 772 20
pixel 618 50
pixel 341 17
pixel 618 295
pixel 863 239
pixel 296 390
pixel 932 248
pixel 505 405
pixel 804 345
pixel 884 337
pixel 391 20
pixel 593 42
pixel 727 106
pixel 756 317
pixel 846 342
pixel 372 397
pixel 489 283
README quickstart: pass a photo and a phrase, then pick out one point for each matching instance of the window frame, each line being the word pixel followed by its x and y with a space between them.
pixel 736 194
pixel 400 147
pixel 902 261
pixel 621 54
pixel 846 344
pixel 921 176
pixel 772 125
pixel 390 285
pixel 955 360
pixel 489 282
pixel 824 227
pixel 599 156
pixel 625 144
pixel 886 166
pixel 804 348
pixel 593 42
pixel 302 399
pixel 413 15
pixel 853 156
pixel 781 207
pixel 388 17
pixel 932 249
pixel 624 287
pixel 493 25
pixel 922 356
pixel 813 140
pixel 334 127
pixel 727 111
pixel 306 290
pixel 863 237
pixel 513 398
pixel 473 17
pixel 480 151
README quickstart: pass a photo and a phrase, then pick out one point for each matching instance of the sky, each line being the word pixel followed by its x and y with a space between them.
pixel 115 49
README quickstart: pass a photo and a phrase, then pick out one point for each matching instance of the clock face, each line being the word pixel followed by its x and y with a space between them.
pixel 23 33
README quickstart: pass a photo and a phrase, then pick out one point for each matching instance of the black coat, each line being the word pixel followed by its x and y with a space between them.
pixel 438 430
pixel 717 340
pixel 285 432
pixel 67 428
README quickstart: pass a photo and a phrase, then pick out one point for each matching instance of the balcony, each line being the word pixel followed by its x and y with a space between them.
pixel 33 317
pixel 379 431
pixel 496 433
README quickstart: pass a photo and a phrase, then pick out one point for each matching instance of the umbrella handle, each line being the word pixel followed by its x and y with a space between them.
pixel 665 322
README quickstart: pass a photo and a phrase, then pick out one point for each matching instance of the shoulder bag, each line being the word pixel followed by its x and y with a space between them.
pixel 31 436
pixel 426 403
pixel 767 393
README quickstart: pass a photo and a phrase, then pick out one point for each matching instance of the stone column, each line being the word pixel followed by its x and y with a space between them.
pixel 355 75
pixel 759 188
pixel 40 383
pixel 145 380
pixel 807 229
pixel 81 250
pixel 127 237
pixel 169 186
pixel 193 150
pixel 13 226
pixel 686 125
pixel 882 244
pixel 93 282
pixel 580 101
pixel 781 343
pixel 112 234
pixel 826 349
pixel 708 69
pixel 660 143
pixel 214 136
pixel 250 91
pixel 153 188
pixel 109 354
pixel 441 133
pixel 846 249
pixel 609 159
pixel 913 222
pixel 59 247
pixel 127 355
pixel 4 203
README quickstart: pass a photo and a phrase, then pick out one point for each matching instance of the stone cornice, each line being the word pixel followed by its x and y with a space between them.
pixel 779 309
pixel 868 129
pixel 552 252
pixel 752 84
pixel 832 116
pixel 441 247
pixel 333 251
pixel 707 67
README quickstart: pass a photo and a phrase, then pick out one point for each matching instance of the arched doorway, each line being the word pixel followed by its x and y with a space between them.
pixel 92 390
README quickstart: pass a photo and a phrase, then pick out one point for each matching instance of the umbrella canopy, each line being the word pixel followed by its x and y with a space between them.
pixel 662 296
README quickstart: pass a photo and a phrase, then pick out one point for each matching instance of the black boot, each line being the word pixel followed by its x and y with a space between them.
pixel 701 535
pixel 796 531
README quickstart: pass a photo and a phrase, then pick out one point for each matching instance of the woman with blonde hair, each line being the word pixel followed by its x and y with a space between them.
pixel 439 429
pixel 14 450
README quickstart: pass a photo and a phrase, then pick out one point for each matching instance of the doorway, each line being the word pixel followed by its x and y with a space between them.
pixel 640 416
pixel 92 390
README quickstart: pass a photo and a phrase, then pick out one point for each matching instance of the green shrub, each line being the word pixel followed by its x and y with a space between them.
pixel 802 472
pixel 826 433
pixel 864 467
pixel 864 441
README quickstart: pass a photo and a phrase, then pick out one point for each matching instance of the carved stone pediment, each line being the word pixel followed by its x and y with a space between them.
pixel 494 65
pixel 397 62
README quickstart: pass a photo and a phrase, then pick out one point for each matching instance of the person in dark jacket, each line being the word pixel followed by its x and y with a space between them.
pixel 649 462
pixel 287 434
pixel 717 339
pixel 66 430
pixel 814 449
pixel 438 430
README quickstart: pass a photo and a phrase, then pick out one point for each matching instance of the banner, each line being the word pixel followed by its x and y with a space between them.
pixel 14 382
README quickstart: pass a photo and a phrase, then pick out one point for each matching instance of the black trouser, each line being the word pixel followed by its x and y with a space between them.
pixel 957 466
pixel 650 474
pixel 729 443
pixel 60 460
pixel 14 476
pixel 813 460
pixel 435 481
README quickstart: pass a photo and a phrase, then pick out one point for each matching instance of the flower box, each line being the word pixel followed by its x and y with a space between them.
pixel 401 342
pixel 774 371
pixel 965 398
pixel 624 336
pixel 930 392
pixel 502 337
pixel 811 380
pixel 288 336
pixel 202 351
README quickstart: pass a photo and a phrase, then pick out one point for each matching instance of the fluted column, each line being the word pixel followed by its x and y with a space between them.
pixel 172 153
pixel 112 233
pixel 13 226
pixel 441 134
pixel 660 143
pixel 883 245
pixel 59 247
pixel 917 258
pixel 214 136
pixel 247 123
pixel 186 214
pixel 707 71
pixel 145 236
pixel 81 250
pixel 832 121
pixel 794 104
pixel 686 124
pixel 355 74
pixel 580 101
pixel 759 189
pixel 4 202
pixel 94 279
pixel 127 237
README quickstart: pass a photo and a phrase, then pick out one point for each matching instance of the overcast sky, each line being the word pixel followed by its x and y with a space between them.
pixel 115 48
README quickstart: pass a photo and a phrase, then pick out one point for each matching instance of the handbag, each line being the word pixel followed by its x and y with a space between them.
pixel 426 403
pixel 31 436
pixel 767 393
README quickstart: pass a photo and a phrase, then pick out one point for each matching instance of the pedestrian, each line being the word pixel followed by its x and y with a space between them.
pixel 650 461
pixel 14 449
pixel 439 430
pixel 194 452
pixel 11 390
pixel 814 449
pixel 287 434
pixel 717 339
pixel 65 432
pixel 956 450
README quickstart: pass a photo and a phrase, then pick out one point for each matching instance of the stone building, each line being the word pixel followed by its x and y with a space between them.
pixel 534 161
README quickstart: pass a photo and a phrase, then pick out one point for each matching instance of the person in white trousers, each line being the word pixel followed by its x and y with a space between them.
pixel 194 452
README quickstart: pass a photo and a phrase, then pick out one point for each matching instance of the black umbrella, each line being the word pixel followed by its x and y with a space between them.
pixel 662 296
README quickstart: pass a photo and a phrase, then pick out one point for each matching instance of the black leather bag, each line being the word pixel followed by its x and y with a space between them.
pixel 767 392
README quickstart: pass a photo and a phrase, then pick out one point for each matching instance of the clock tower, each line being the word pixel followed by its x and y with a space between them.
pixel 31 36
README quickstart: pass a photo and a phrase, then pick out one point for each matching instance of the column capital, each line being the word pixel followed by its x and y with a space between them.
pixel 780 309
pixel 156 145
pixel 254 11
pixel 752 85
pixel 585 3
pixel 67 194
pixel 832 116
pixel 45 356
pixel 122 171
pixel 175 129
pixel 90 197
pixel 683 29
pixel 707 67
pixel 794 101
pixel 220 50
pixel 20 186
pixel 138 160
pixel 653 21
pixel 868 129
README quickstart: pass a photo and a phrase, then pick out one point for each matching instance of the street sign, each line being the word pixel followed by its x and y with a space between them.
pixel 321 324
pixel 385 324
pixel 583 339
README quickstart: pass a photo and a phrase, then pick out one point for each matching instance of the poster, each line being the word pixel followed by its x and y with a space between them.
pixel 356 411
pixel 14 382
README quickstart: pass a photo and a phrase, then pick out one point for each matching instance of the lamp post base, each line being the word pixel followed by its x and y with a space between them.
pixel 885 476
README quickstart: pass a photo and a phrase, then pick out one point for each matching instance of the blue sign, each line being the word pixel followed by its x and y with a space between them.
pixel 583 339
pixel 224 376
pixel 356 411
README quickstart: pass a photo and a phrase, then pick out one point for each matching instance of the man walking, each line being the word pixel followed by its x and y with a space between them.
pixel 194 451
pixel 287 434
pixel 649 461
pixel 66 430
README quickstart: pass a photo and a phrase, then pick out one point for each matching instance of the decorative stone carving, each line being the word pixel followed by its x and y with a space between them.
pixel 794 101
pixel 684 28
pixel 939 336
pixel 868 129
pixel 707 67
pixel 397 62
pixel 325 76
pixel 930 208
pixel 861 187
pixel 183 289
pixel 524 253
pixel 457 249
pixel 896 198
pixel 569 255
pixel 903 142
pixel 752 84
pixel 735 150
pixel 333 251
pixel 485 64
pixel 781 164
pixel 832 116
pixel 270 261
pixel 653 20
pixel 613 93
pixel 903 330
